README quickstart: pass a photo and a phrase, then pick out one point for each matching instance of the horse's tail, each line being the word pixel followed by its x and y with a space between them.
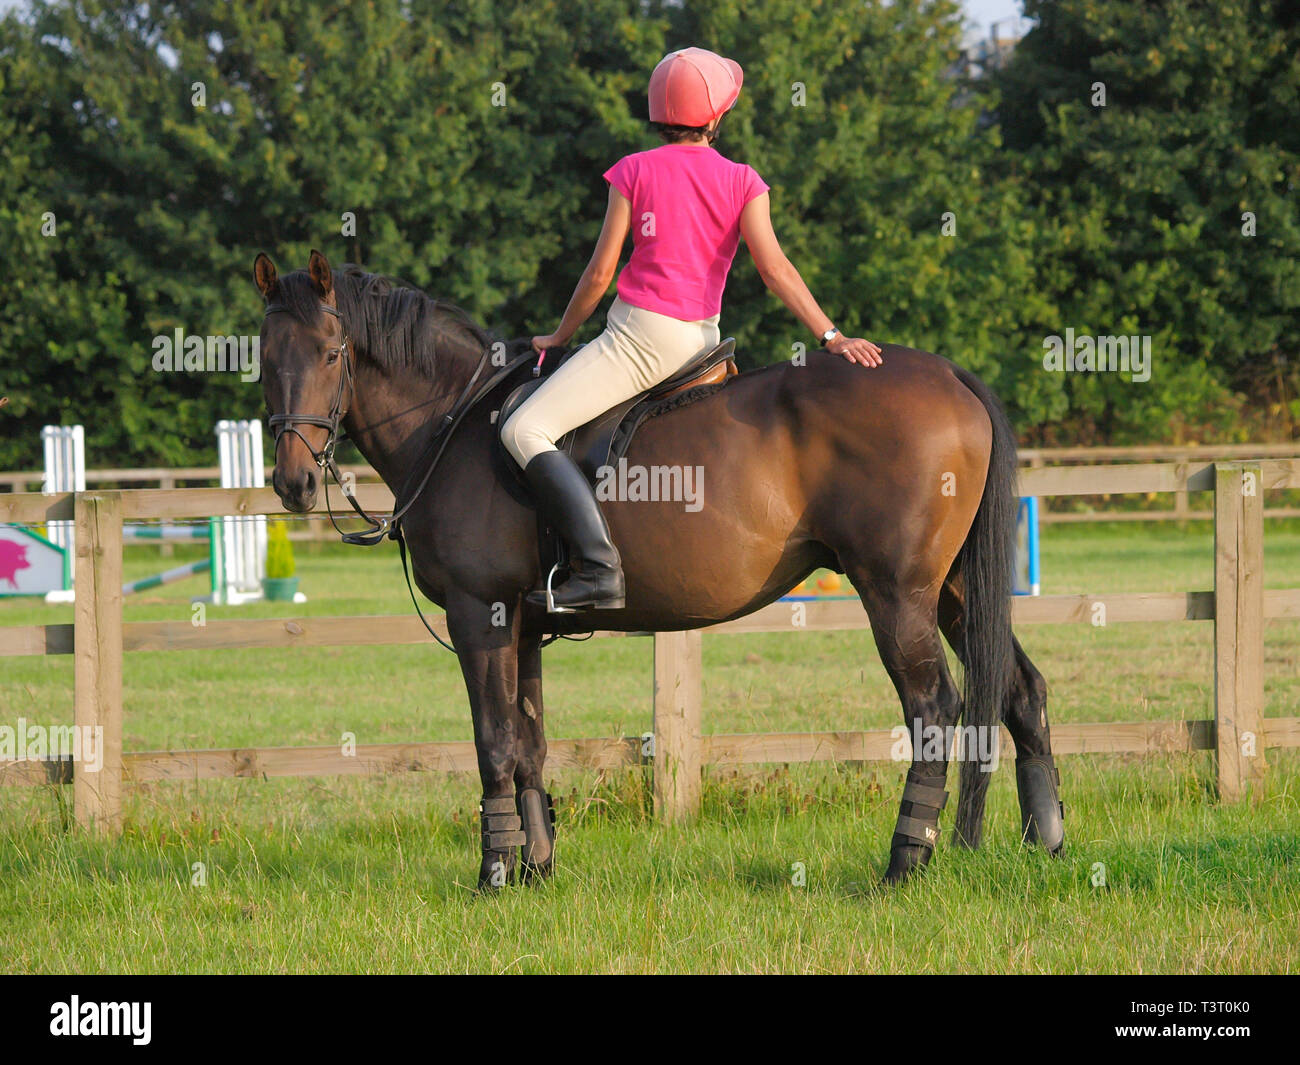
pixel 986 562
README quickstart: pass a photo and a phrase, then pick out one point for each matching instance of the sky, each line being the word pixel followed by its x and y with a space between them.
pixel 986 12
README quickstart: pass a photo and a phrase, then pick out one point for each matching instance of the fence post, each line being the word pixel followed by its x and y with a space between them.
pixel 1238 626
pixel 97 796
pixel 166 549
pixel 1182 500
pixel 678 673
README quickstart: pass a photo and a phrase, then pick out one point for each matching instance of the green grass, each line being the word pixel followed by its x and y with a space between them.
pixel 350 874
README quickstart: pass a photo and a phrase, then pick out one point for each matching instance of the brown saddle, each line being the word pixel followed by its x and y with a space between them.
pixel 605 439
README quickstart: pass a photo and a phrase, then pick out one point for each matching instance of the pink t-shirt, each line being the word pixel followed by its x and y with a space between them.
pixel 686 204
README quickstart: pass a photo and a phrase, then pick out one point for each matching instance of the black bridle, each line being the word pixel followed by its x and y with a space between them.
pixel 391 526
pixel 285 423
pixel 324 458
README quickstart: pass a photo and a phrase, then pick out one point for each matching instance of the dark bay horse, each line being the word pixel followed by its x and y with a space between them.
pixel 902 477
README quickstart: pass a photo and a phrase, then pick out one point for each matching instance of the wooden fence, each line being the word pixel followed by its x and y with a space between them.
pixel 1238 605
pixel 1182 510
pixel 316 526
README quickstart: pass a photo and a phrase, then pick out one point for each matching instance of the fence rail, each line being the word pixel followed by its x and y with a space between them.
pixel 99 638
pixel 1033 458
pixel 173 476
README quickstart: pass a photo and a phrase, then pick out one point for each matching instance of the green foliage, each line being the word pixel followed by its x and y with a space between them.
pixel 464 141
pixel 1141 203
pixel 279 551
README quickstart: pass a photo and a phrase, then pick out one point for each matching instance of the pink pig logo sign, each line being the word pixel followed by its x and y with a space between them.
pixel 13 557
pixel 30 564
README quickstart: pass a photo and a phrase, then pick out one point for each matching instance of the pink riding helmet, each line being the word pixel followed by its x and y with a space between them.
pixel 693 86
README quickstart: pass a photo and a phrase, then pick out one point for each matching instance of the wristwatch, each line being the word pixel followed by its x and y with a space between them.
pixel 829 335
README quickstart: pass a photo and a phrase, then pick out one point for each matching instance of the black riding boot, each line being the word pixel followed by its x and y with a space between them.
pixel 597 572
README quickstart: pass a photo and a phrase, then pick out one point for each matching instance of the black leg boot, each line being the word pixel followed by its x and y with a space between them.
pixel 1042 814
pixel 537 813
pixel 503 835
pixel 917 830
pixel 597 578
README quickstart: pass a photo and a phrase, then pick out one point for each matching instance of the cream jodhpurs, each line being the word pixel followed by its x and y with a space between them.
pixel 637 350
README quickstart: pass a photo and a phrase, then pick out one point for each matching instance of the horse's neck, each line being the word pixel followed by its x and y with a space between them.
pixel 393 417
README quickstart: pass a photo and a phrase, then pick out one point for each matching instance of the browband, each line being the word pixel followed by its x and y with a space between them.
pixel 273 308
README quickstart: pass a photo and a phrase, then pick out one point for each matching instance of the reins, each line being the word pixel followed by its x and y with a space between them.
pixel 381 527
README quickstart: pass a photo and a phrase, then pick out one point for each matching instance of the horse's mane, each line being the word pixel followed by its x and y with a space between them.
pixel 392 323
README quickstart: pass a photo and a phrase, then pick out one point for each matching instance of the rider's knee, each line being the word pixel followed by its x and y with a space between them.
pixel 507 431
pixel 517 437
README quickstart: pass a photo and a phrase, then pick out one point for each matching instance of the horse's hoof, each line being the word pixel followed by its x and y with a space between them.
pixel 905 862
pixel 1042 814
pixel 533 873
pixel 496 872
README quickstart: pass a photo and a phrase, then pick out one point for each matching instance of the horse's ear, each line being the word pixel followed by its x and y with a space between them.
pixel 264 276
pixel 319 268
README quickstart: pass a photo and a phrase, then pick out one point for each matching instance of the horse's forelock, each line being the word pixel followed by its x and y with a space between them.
pixel 297 294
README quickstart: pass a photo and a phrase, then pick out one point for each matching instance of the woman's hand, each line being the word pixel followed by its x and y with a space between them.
pixel 553 340
pixel 855 349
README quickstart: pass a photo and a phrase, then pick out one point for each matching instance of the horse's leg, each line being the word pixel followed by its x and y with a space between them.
pixel 535 807
pixel 489 660
pixel 1025 714
pixel 906 632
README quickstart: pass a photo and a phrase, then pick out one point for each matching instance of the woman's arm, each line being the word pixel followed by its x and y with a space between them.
pixel 599 273
pixel 779 275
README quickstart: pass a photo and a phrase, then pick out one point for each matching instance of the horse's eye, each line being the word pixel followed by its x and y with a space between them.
pixel 332 357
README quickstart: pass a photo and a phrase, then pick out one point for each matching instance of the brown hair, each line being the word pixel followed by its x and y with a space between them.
pixel 678 134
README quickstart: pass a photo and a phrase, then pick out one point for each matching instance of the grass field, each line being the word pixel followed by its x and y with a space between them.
pixel 351 874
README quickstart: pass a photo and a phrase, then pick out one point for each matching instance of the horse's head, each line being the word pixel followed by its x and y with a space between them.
pixel 306 374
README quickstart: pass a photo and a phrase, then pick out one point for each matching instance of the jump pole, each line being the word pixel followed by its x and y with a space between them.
pixel 171 534
pixel 170 576
pixel 166 532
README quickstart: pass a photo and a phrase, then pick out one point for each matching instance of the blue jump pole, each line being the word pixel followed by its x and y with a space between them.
pixel 1032 544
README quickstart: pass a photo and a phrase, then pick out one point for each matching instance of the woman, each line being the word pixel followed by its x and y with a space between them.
pixel 690 206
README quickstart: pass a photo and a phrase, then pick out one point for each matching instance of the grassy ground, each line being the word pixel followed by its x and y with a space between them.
pixel 364 875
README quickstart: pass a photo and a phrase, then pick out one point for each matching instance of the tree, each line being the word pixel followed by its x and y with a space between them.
pixel 1151 140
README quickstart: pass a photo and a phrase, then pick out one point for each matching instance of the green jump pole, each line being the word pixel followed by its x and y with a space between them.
pixel 171 575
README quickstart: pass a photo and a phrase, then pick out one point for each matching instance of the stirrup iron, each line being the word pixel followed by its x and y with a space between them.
pixel 551 608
